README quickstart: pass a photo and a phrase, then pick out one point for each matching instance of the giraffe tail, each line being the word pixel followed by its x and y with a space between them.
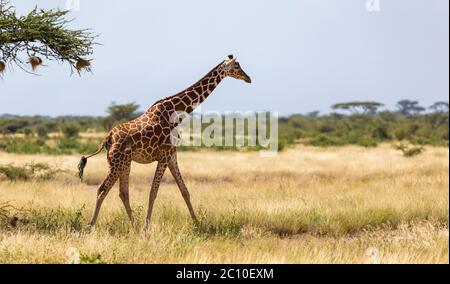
pixel 81 166
pixel 83 160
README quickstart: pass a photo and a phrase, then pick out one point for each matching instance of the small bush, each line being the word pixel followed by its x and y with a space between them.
pixel 28 131
pixel 49 220
pixel 67 144
pixel 409 151
pixel 11 216
pixel 380 131
pixel 36 171
pixel 70 131
pixel 70 145
pixel 42 132
pixel 64 146
pixel 95 258
pixel 325 141
pixel 428 141
pixel 367 142
pixel 22 146
pixel 14 173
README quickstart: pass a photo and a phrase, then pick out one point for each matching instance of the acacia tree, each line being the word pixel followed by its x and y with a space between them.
pixel 120 113
pixel 41 35
pixel 358 107
pixel 439 116
pixel 439 107
pixel 408 107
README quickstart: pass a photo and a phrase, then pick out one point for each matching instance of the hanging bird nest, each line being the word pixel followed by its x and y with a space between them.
pixel 2 67
pixel 34 61
pixel 83 64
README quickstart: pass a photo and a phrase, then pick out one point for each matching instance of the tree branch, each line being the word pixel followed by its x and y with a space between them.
pixel 43 34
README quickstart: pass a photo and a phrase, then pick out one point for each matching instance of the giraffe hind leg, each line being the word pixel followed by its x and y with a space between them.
pixel 102 191
pixel 124 194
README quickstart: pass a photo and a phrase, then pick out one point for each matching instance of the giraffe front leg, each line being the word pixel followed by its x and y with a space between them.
pixel 175 170
pixel 160 168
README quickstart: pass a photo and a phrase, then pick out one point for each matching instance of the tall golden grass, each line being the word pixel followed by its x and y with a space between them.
pixel 305 205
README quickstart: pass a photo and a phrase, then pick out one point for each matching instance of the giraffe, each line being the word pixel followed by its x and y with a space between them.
pixel 147 139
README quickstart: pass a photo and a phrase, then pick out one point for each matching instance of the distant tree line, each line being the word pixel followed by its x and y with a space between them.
pixel 363 123
pixel 359 123
pixel 42 125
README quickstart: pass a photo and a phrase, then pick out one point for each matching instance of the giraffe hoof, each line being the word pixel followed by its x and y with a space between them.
pixel 135 229
pixel 196 222
pixel 89 228
pixel 146 231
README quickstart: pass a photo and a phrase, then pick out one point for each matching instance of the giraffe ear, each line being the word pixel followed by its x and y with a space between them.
pixel 230 56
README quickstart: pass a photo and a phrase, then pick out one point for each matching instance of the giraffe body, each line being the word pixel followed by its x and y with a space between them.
pixel 147 139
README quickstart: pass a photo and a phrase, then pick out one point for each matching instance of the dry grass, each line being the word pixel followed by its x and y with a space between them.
pixel 305 205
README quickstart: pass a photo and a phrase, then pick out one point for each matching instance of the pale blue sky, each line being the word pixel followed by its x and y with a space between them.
pixel 302 55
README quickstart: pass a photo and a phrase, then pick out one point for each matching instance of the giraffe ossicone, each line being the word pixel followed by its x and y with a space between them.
pixel 149 138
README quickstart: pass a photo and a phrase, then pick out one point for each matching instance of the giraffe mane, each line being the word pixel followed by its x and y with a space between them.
pixel 207 74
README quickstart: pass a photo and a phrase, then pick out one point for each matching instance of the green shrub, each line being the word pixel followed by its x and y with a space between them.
pixel 68 146
pixel 36 171
pixel 409 151
pixel 50 220
pixel 70 131
pixel 367 142
pixel 22 146
pixel 14 173
pixel 95 258
pixel 40 142
pixel 35 146
pixel 428 141
pixel 380 131
pixel 42 132
pixel 28 131
pixel 400 134
pixel 86 148
pixel 325 141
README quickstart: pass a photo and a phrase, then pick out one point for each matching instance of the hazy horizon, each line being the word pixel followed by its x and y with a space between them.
pixel 302 56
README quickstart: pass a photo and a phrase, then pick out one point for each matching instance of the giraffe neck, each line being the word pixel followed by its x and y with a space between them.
pixel 188 99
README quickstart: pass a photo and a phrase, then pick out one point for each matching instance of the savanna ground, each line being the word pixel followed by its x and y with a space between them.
pixel 305 205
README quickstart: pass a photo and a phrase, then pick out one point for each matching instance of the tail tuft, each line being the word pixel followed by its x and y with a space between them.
pixel 81 166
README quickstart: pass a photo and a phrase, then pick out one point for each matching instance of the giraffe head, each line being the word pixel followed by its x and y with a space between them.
pixel 234 70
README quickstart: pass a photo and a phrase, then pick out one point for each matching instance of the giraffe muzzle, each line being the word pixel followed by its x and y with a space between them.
pixel 246 78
